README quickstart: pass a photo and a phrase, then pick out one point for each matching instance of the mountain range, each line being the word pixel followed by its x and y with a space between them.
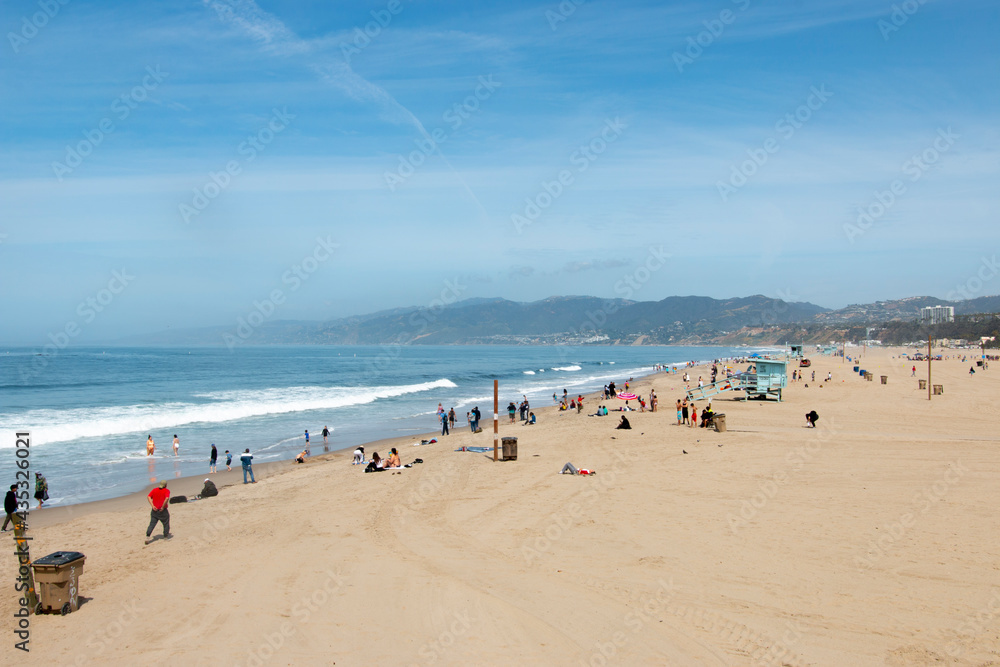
pixel 559 320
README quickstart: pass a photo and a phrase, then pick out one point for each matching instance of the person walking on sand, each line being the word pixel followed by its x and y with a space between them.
pixel 150 446
pixel 913 372
pixel 10 507
pixel 229 460
pixel 212 459
pixel 444 424
pixel 159 502
pixel 246 458
pixel 177 444
pixel 41 489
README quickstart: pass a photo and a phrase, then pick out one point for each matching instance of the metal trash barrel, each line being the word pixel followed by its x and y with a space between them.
pixel 938 389
pixel 719 420
pixel 922 384
pixel 885 379
pixel 57 578
pixel 869 376
pixel 509 449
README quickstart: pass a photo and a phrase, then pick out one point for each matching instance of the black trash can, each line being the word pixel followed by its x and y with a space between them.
pixel 57 578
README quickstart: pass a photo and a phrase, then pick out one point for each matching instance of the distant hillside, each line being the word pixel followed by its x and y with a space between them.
pixel 585 319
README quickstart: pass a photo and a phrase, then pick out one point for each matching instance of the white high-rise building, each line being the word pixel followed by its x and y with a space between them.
pixel 937 314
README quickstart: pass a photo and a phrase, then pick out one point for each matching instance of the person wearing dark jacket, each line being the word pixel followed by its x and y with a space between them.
pixel 10 506
pixel 209 489
pixel 623 424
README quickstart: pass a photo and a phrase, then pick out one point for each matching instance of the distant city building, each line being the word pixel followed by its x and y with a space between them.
pixel 937 314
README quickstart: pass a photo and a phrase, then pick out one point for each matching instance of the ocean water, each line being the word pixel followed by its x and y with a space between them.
pixel 89 410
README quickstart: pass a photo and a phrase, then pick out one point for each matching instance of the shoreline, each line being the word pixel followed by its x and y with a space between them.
pixel 723 542
pixel 190 488
pixel 190 485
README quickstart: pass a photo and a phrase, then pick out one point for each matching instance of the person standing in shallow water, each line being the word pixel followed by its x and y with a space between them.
pixel 213 458
pixel 41 489
pixel 150 446
pixel 177 444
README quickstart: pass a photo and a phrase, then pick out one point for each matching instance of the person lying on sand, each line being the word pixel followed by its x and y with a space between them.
pixel 573 470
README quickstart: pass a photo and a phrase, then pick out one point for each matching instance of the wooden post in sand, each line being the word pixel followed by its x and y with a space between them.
pixel 928 367
pixel 496 416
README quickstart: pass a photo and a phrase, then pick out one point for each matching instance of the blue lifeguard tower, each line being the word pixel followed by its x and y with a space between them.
pixel 763 379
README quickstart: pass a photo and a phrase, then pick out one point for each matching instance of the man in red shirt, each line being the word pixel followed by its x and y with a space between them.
pixel 159 499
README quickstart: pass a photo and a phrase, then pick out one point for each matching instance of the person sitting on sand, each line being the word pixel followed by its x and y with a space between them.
pixel 377 460
pixel 209 489
pixel 706 416
pixel 359 455
pixel 301 458
pixel 811 419
pixel 623 424
pixel 392 461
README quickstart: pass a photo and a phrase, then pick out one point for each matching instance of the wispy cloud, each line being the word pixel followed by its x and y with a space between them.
pixel 276 38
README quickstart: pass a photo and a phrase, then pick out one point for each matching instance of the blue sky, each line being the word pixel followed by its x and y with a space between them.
pixel 667 122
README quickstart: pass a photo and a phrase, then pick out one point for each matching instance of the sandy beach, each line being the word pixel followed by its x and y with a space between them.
pixel 870 540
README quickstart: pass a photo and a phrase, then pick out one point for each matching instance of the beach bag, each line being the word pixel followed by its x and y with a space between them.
pixel 178 499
